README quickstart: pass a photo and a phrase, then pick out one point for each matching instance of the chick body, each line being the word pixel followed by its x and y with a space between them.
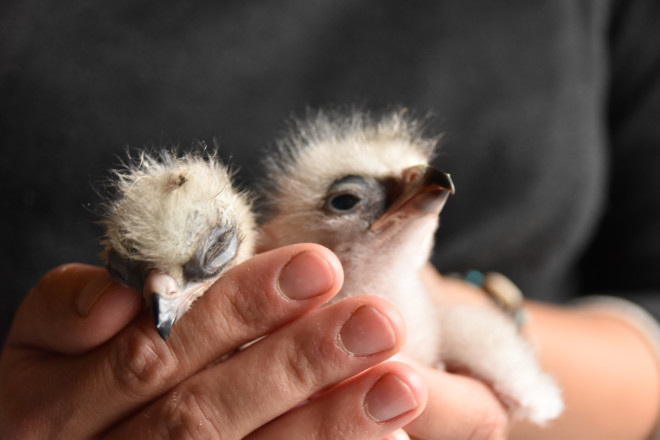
pixel 363 188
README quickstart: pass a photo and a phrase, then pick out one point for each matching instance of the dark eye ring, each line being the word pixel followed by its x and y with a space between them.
pixel 344 202
pixel 214 254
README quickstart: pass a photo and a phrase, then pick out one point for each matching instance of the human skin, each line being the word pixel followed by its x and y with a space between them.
pixel 83 359
pixel 608 372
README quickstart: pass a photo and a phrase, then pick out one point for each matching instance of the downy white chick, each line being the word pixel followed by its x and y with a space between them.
pixel 363 188
pixel 175 225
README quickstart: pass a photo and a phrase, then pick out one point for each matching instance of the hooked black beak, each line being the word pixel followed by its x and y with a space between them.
pixel 164 314
pixel 424 190
pixel 169 301
pixel 435 180
pixel 165 299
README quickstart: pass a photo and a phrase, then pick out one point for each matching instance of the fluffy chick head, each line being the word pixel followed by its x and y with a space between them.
pixel 353 183
pixel 174 226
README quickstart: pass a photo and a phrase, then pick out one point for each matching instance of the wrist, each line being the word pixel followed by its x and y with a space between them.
pixel 608 375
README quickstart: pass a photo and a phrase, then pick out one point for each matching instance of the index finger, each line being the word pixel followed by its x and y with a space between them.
pixel 249 301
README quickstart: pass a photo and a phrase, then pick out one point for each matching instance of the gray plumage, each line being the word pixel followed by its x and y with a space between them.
pixel 173 227
pixel 363 187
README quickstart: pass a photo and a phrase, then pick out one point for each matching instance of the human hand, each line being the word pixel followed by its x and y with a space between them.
pixel 83 359
pixel 458 407
pixel 447 291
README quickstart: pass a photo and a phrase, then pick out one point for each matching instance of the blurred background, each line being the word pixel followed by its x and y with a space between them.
pixel 518 88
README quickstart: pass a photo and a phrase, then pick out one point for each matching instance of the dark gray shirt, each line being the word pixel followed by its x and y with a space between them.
pixel 549 111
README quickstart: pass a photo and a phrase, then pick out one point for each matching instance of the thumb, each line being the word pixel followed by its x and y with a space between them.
pixel 73 309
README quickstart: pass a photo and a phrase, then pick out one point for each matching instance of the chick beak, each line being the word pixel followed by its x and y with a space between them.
pixel 424 190
pixel 168 302
pixel 162 293
pixel 164 314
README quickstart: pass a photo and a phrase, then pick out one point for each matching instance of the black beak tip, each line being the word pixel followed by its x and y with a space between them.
pixel 444 180
pixel 163 326
pixel 164 330
pixel 439 179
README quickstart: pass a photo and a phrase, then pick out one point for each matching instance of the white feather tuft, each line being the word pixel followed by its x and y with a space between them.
pixel 165 205
pixel 329 145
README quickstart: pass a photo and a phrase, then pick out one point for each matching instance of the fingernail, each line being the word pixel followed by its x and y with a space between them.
pixel 390 397
pixel 367 332
pixel 307 275
pixel 91 293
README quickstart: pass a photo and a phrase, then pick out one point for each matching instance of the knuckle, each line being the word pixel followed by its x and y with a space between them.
pixel 244 315
pixel 141 363
pixel 187 415
pixel 298 368
pixel 243 311
pixel 305 361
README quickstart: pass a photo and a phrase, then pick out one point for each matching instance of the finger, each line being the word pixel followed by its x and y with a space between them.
pixel 271 377
pixel 275 288
pixel 73 309
pixel 459 407
pixel 249 301
pixel 399 434
pixel 373 405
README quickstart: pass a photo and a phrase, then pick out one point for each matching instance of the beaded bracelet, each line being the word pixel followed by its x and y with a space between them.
pixel 504 293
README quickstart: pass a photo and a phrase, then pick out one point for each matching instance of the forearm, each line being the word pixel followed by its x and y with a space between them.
pixel 607 369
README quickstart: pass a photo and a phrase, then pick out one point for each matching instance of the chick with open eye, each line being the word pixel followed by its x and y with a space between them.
pixel 364 188
pixel 174 226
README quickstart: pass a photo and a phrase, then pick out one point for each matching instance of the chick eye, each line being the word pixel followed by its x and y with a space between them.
pixel 346 195
pixel 214 254
pixel 343 202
